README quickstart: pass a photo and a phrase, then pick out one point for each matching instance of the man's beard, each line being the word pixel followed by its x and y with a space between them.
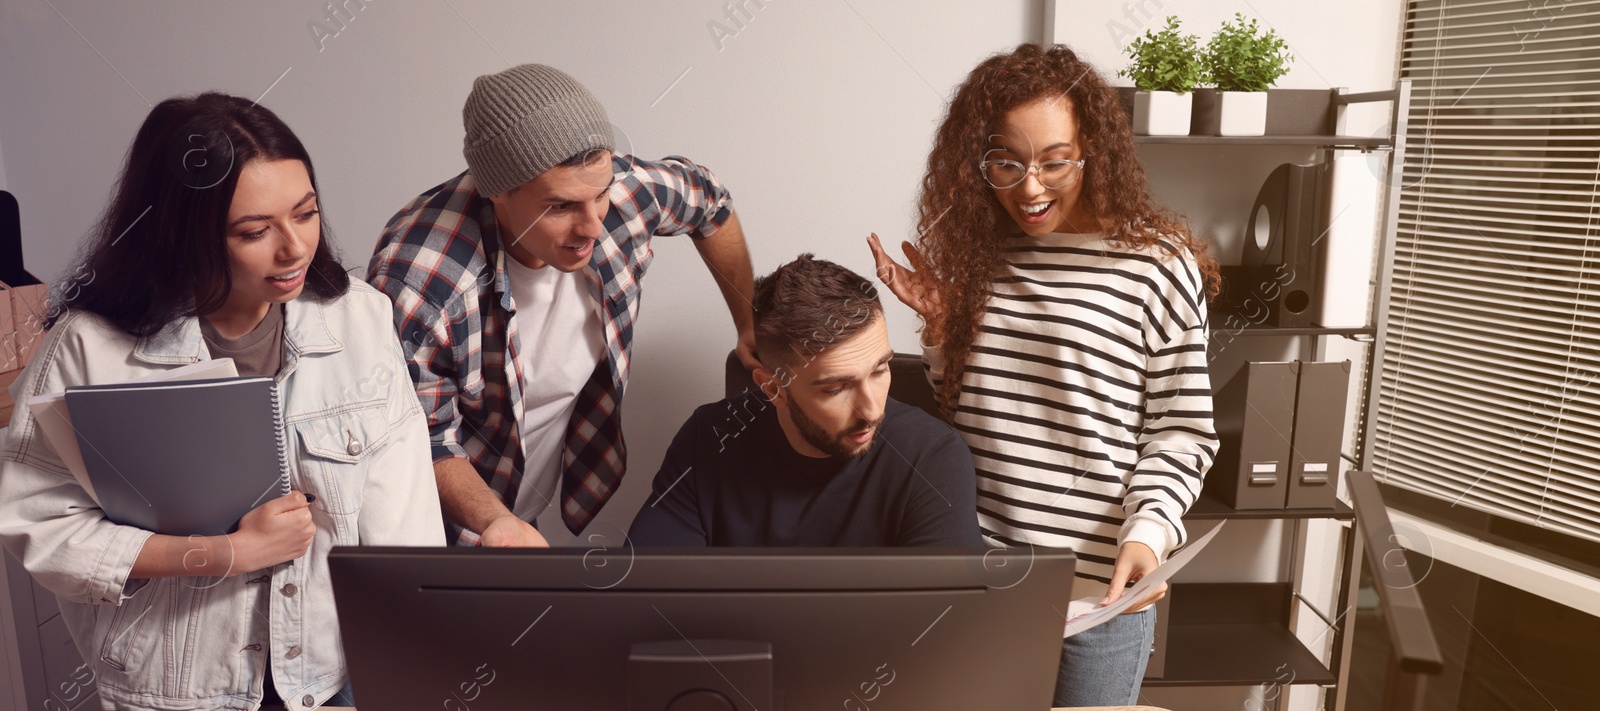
pixel 831 444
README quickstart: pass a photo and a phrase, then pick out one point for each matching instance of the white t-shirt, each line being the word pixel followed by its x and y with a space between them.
pixel 558 324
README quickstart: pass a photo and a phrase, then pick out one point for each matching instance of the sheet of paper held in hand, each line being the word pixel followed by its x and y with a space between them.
pixel 1086 613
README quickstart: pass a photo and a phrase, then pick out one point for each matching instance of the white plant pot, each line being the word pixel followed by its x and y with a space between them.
pixel 1243 113
pixel 1162 113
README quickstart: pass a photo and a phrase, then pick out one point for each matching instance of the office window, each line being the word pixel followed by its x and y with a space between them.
pixel 1490 392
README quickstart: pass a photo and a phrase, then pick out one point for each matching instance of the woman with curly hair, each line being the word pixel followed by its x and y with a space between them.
pixel 1064 328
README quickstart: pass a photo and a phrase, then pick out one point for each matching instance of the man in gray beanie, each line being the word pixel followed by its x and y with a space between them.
pixel 516 285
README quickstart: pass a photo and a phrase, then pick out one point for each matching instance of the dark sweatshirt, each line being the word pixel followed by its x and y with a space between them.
pixel 731 478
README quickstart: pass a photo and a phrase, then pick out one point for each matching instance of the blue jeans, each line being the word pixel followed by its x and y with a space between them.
pixel 345 697
pixel 269 692
pixel 1105 665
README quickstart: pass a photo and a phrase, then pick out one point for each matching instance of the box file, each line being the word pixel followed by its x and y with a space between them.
pixel 1255 421
pixel 1318 435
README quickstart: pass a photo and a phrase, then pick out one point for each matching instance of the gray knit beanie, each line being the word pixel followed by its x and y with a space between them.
pixel 526 119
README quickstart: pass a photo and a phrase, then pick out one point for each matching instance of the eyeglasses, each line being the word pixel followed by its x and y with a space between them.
pixel 1002 173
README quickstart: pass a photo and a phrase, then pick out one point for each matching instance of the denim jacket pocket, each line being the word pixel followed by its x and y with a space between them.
pixel 136 631
pixel 338 447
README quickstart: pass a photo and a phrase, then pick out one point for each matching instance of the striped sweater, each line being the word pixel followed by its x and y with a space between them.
pixel 1086 401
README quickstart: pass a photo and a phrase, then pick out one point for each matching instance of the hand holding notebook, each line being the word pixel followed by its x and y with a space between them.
pixel 278 530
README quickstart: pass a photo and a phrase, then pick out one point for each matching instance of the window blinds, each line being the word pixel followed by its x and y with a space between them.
pixel 1490 382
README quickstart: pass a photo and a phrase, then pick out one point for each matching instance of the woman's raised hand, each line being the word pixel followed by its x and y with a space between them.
pixel 916 289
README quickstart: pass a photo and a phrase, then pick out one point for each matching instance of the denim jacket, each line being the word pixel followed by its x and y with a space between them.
pixel 357 440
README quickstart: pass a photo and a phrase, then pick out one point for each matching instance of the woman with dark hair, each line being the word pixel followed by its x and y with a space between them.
pixel 214 246
pixel 1064 328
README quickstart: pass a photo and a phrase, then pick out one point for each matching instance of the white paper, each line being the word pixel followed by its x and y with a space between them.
pixel 50 411
pixel 1086 613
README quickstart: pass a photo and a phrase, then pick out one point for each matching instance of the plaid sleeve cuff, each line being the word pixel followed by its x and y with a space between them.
pixel 716 221
pixel 448 450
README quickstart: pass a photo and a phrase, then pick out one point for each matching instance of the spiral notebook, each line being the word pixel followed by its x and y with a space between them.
pixel 182 458
pixel 50 413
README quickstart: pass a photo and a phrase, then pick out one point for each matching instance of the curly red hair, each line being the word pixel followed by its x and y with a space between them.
pixel 960 221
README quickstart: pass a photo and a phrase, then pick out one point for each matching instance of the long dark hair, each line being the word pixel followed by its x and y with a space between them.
pixel 962 224
pixel 160 251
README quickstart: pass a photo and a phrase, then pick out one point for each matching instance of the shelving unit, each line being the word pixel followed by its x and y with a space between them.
pixel 1356 333
pixel 1320 141
pixel 1250 620
pixel 1210 508
pixel 1255 622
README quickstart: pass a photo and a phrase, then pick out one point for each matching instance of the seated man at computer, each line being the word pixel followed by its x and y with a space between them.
pixel 820 455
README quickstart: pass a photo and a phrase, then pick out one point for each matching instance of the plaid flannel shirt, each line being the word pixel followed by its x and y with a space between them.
pixel 441 261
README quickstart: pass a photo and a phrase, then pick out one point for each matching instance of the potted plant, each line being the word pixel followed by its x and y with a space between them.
pixel 1166 68
pixel 1244 62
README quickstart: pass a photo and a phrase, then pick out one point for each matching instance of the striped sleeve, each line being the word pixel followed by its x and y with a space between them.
pixel 933 365
pixel 1178 440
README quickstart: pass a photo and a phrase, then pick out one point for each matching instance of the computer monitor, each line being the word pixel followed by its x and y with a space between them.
pixel 709 629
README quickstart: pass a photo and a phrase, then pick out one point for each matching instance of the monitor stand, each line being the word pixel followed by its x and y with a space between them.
pixel 700 675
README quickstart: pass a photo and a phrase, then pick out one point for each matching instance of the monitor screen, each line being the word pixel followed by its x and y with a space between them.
pixel 735 629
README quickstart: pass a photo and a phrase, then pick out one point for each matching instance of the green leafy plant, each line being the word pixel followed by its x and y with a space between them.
pixel 1165 60
pixel 1240 57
